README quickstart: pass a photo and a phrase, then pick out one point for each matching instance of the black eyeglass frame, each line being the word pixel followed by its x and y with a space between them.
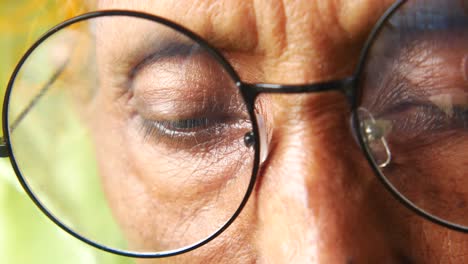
pixel 348 86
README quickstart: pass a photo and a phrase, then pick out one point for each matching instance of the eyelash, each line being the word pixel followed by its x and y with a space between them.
pixel 183 127
pixel 187 134
pixel 414 119
pixel 413 111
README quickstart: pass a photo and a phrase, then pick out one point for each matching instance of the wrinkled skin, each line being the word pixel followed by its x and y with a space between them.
pixel 316 199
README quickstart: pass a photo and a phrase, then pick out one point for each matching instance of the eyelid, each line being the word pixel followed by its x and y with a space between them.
pixel 180 88
pixel 167 50
pixel 418 74
pixel 181 98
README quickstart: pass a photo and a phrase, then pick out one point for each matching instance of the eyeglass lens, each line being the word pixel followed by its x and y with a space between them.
pixel 414 103
pixel 144 94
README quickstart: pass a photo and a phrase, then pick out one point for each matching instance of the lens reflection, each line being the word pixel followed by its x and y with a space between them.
pixel 415 94
pixel 131 134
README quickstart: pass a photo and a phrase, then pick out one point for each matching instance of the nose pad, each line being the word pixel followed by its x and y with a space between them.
pixel 249 138
pixel 263 137
pixel 374 132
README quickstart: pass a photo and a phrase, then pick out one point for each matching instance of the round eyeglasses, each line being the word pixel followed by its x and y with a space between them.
pixel 192 139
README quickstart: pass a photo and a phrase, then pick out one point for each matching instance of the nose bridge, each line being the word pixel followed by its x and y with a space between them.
pixel 252 92
pixel 306 132
pixel 311 190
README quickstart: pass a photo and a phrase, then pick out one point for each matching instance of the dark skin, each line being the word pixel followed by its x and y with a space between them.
pixel 316 199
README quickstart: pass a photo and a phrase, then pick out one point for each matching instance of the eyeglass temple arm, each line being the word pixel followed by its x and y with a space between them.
pixel 4 153
pixel 3 144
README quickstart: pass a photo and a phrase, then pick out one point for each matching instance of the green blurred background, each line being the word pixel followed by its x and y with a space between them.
pixel 26 235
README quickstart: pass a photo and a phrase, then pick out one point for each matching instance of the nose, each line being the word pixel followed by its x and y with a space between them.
pixel 317 199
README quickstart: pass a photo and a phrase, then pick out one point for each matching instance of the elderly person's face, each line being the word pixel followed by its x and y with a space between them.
pixel 316 199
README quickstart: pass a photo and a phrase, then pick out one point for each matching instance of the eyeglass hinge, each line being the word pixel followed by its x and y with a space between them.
pixel 349 89
pixel 3 148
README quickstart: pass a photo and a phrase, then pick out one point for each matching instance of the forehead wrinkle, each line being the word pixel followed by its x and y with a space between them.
pixel 233 25
pixel 241 25
pixel 227 25
pixel 314 41
pixel 357 17
pixel 322 38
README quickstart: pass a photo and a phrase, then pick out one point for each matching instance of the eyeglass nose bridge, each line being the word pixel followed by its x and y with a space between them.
pixel 251 92
pixel 345 85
